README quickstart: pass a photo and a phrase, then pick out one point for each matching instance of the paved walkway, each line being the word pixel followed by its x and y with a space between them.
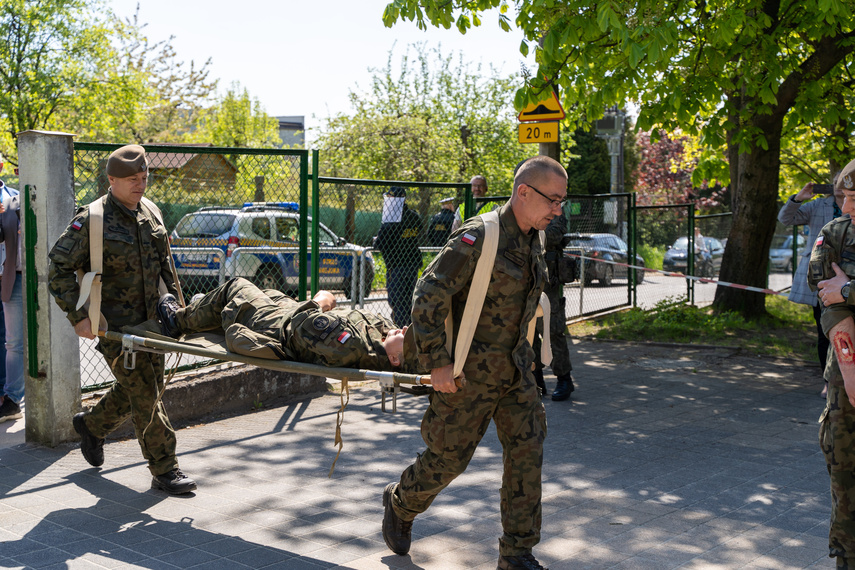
pixel 665 458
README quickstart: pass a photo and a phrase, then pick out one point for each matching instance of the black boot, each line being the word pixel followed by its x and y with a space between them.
pixel 538 379
pixel 563 388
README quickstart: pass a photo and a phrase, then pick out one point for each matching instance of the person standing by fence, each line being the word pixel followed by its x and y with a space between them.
pixel 398 241
pixel 801 209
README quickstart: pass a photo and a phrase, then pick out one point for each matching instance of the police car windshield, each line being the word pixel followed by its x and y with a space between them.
pixel 204 224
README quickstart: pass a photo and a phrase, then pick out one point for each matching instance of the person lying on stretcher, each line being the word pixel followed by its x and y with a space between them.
pixel 268 324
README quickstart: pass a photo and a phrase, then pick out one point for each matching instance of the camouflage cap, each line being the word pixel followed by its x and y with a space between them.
pixel 846 178
pixel 127 161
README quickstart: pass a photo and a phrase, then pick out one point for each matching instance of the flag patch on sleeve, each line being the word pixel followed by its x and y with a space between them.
pixel 342 338
pixel 819 241
pixel 76 225
pixel 468 239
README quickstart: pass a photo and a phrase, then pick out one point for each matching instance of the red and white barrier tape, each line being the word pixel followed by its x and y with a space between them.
pixel 675 274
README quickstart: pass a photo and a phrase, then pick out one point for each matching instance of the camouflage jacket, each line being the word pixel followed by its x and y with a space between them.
pixel 135 258
pixel 339 338
pixel 519 275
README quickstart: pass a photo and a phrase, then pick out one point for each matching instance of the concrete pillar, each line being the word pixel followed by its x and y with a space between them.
pixel 52 366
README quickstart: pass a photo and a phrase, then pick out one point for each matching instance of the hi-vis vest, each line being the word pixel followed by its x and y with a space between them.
pixel 90 282
pixel 475 301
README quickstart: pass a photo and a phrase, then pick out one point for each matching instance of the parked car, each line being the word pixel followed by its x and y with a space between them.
pixel 607 247
pixel 781 252
pixel 259 225
pixel 707 259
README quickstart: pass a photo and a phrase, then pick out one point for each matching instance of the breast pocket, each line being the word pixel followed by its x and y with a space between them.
pixel 507 275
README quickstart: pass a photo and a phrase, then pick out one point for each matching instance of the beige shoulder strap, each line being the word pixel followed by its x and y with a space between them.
pixel 161 286
pixel 543 310
pixel 90 283
pixel 477 293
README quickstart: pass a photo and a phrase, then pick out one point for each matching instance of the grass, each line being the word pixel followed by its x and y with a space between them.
pixel 788 331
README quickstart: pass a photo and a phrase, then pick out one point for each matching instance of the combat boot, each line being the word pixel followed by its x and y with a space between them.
pixel 522 562
pixel 91 447
pixel 563 388
pixel 173 482
pixel 396 532
pixel 541 385
pixel 167 312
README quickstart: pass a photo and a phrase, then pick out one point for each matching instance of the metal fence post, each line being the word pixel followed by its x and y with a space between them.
pixel 52 357
pixel 316 214
pixel 690 255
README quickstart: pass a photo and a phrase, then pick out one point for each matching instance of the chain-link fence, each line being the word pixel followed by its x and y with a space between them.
pixel 398 228
pixel 600 238
pixel 230 213
pixel 253 213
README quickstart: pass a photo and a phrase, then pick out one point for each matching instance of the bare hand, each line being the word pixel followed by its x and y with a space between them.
pixel 805 193
pixel 829 289
pixel 84 329
pixel 442 379
pixel 325 300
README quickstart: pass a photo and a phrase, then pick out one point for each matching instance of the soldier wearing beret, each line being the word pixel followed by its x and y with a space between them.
pixel 268 324
pixel 135 259
pixel 832 261
pixel 499 387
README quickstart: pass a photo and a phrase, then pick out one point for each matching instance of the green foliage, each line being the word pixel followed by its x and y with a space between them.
pixel 435 118
pixel 237 120
pixel 652 255
pixel 739 75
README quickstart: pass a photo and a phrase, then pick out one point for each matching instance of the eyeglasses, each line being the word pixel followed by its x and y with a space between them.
pixel 552 201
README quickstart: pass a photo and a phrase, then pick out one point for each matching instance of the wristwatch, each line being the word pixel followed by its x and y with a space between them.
pixel 845 291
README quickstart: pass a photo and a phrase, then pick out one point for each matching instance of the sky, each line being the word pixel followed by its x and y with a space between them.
pixel 300 57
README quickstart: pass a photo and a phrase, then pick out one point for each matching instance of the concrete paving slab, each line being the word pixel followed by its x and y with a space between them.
pixel 664 458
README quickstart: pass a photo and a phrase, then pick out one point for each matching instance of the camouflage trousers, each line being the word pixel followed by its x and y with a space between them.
pixel 453 426
pixel 561 365
pixel 837 440
pixel 133 395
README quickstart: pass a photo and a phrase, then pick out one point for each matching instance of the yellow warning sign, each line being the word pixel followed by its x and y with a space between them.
pixel 546 109
pixel 538 132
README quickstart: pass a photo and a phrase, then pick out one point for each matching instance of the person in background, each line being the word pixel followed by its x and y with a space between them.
pixel 440 225
pixel 479 190
pixel 802 209
pixel 12 308
pixel 398 241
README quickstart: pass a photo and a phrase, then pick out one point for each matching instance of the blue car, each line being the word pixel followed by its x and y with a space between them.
pixel 260 242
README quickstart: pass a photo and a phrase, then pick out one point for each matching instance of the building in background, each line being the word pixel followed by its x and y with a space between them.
pixel 292 130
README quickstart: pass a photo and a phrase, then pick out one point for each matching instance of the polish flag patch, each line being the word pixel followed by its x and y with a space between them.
pixel 819 241
pixel 77 225
pixel 468 239
pixel 342 338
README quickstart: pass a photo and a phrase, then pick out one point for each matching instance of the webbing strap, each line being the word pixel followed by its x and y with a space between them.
pixel 477 293
pixel 90 283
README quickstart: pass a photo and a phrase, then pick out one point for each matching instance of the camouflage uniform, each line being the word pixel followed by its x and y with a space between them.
pixel 561 365
pixel 268 324
pixel 136 257
pixel 836 243
pixel 500 385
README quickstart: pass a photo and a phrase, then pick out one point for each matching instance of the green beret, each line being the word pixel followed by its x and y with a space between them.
pixel 846 178
pixel 127 161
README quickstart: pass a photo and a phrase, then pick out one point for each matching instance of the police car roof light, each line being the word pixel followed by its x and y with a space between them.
pixel 291 206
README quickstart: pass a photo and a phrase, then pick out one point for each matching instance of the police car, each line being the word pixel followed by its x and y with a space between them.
pixel 212 245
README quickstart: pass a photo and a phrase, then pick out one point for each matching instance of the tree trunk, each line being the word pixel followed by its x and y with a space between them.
pixel 746 256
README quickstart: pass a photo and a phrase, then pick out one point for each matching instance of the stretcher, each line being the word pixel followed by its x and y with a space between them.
pixel 210 345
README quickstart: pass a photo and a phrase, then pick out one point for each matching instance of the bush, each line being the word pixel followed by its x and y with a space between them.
pixel 652 255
